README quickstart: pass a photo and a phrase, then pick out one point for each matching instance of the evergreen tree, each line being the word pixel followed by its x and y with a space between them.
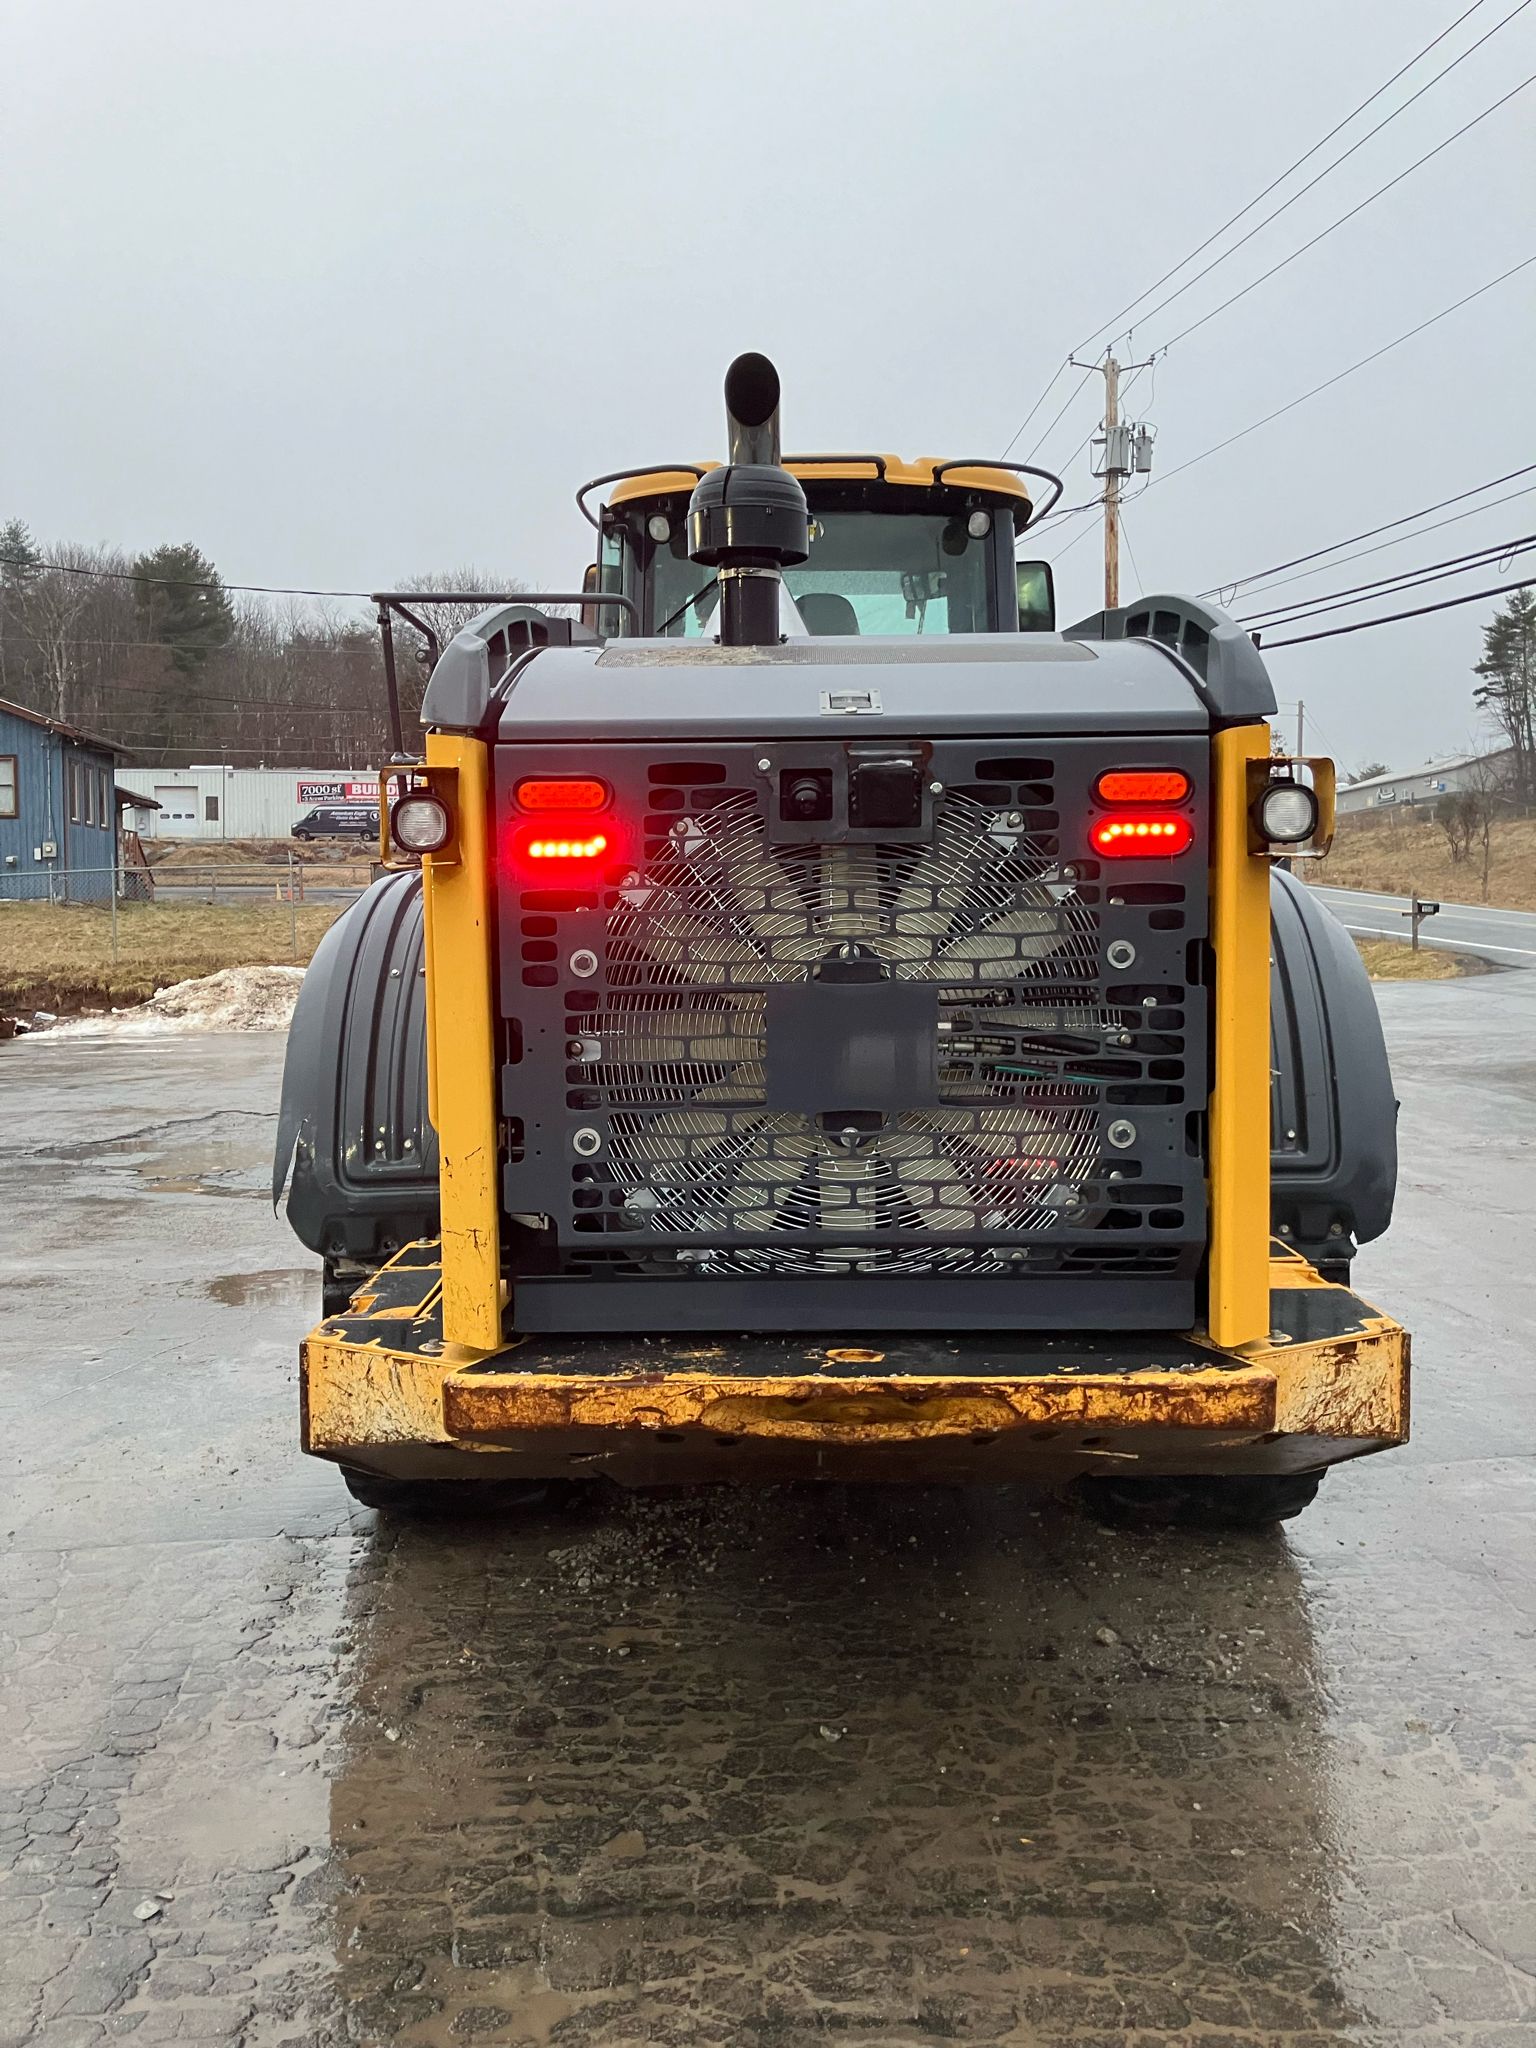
pixel 1508 689
pixel 183 604
pixel 20 557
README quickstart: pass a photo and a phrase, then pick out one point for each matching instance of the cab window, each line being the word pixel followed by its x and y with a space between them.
pixel 868 572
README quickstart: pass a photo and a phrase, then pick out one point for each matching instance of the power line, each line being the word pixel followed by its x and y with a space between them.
pixel 1043 438
pixel 1275 183
pixel 1235 583
pixel 1323 233
pixel 1381 547
pixel 1273 186
pixel 1339 376
pixel 1406 579
pixel 1125 535
pixel 176 582
pixel 1391 618
pixel 1083 535
pixel 366 643
pixel 159 743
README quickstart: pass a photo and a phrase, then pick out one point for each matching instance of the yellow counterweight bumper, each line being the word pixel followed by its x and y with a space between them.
pixel 382 1390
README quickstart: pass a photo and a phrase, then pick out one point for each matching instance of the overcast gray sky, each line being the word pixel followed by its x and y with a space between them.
pixel 342 291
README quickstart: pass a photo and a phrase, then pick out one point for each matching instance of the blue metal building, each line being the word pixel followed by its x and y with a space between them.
pixel 58 813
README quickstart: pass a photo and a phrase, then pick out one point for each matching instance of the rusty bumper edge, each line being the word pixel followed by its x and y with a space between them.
pixel 1351 1392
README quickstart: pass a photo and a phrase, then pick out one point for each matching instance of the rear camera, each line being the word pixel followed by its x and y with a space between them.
pixel 805 795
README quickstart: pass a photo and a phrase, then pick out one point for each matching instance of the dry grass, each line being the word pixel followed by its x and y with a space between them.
pixel 1398 854
pixel 1395 960
pixel 339 862
pixel 59 956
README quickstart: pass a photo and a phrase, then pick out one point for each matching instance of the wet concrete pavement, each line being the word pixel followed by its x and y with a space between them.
pixel 878 1767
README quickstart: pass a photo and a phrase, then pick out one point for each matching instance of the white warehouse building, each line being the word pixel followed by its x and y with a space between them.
pixel 242 803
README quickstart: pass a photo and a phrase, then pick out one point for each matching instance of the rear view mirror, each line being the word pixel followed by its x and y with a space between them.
pixel 1037 597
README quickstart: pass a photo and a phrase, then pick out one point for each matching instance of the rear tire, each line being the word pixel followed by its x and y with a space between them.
pixel 1243 1501
pixel 424 1499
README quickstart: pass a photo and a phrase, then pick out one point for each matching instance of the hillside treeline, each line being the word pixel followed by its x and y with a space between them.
pixel 153 652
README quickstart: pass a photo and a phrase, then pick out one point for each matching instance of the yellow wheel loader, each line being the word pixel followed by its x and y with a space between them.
pixel 824 1021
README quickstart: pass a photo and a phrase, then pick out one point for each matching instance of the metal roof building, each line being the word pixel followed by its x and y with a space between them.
pixel 1424 785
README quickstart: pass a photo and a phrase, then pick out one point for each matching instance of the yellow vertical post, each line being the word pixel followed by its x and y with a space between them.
pixel 1238 1311
pixel 461 1050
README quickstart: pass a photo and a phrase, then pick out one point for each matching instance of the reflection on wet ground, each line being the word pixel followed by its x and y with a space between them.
pixel 289 1286
pixel 888 1767
pixel 895 1766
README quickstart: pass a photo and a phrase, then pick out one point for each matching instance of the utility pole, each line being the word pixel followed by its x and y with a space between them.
pixel 1111 485
pixel 1301 730
pixel 1127 447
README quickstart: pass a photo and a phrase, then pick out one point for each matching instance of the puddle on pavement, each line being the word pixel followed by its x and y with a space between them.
pixel 272 1287
pixel 225 1153
pixel 173 1184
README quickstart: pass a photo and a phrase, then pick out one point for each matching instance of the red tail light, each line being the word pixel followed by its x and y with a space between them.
pixel 1142 786
pixel 1141 835
pixel 562 793
pixel 566 846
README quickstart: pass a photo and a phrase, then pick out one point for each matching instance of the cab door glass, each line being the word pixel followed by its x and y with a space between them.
pixel 1037 597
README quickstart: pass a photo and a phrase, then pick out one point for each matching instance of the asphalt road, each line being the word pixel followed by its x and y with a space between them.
pixel 1507 937
pixel 884 1768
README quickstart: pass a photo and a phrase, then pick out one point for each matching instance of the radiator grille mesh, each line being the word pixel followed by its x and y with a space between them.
pixel 1039 1047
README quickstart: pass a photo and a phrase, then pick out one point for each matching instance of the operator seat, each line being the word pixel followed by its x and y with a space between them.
pixel 825 612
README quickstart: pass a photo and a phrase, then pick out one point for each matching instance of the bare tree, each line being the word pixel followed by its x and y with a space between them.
pixel 448 619
pixel 1457 815
pixel 1468 815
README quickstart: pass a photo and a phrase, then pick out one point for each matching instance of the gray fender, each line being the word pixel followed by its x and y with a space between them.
pixel 354 1143
pixel 1333 1111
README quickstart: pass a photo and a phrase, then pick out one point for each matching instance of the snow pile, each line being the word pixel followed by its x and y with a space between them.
pixel 234 999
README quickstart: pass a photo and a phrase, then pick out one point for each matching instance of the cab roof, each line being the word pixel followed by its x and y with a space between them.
pixel 882 469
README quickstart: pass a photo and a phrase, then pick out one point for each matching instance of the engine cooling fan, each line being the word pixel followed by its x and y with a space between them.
pixel 677 1043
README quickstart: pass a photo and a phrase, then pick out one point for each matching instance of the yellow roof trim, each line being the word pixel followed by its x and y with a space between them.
pixel 657 483
pixel 663 483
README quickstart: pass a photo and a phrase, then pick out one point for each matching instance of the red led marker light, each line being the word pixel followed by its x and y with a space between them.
pixel 592 848
pixel 1142 786
pixel 1146 835
pixel 576 793
pixel 564 793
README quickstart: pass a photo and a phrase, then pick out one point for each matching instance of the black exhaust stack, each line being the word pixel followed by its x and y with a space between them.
pixel 748 520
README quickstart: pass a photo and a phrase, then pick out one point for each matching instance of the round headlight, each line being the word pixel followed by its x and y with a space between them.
pixel 659 526
pixel 1287 813
pixel 419 824
pixel 979 525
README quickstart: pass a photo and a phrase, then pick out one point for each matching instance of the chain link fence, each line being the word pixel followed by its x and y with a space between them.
pixel 105 933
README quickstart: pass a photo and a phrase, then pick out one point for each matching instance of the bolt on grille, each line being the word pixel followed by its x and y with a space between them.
pixel 676 1153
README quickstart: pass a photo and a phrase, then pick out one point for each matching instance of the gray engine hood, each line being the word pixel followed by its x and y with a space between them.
pixel 963 683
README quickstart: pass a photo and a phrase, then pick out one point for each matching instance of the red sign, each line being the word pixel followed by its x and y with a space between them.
pixel 339 791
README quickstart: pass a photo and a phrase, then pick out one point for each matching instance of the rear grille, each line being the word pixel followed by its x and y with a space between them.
pixel 665 1130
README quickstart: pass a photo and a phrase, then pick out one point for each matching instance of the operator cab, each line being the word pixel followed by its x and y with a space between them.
pixel 897 548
